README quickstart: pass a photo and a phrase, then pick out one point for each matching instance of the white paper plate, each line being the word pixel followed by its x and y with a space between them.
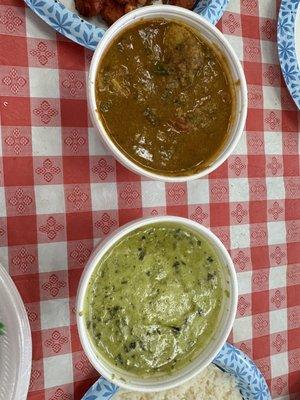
pixel 288 38
pixel 249 380
pixel 63 17
pixel 15 344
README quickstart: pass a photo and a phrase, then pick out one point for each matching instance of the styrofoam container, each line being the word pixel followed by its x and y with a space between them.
pixel 15 344
pixel 123 378
pixel 213 36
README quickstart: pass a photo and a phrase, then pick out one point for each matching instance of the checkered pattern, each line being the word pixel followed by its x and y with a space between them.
pixel 61 192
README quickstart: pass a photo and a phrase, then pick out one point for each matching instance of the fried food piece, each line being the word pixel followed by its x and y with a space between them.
pixel 132 2
pixel 183 3
pixel 129 7
pixel 111 11
pixel 89 8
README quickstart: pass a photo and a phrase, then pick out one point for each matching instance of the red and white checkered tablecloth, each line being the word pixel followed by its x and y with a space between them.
pixel 61 191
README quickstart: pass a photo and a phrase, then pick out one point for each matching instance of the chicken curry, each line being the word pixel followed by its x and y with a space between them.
pixel 165 97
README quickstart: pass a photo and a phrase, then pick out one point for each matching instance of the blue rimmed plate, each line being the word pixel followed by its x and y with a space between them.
pixel 288 37
pixel 250 381
pixel 61 15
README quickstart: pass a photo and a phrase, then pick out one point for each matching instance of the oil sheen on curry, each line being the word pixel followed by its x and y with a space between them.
pixel 165 97
pixel 154 300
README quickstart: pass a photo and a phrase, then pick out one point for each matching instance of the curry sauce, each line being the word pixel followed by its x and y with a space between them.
pixel 154 300
pixel 165 97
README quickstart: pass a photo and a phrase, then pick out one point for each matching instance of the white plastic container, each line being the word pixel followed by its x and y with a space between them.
pixel 15 344
pixel 127 380
pixel 213 36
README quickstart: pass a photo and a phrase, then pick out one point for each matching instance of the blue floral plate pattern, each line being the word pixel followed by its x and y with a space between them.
pixel 250 381
pixel 286 36
pixel 80 31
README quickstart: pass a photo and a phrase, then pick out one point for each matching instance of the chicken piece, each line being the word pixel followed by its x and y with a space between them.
pixel 183 3
pixel 130 7
pixel 89 8
pixel 111 11
pixel 133 2
pixel 183 53
pixel 123 2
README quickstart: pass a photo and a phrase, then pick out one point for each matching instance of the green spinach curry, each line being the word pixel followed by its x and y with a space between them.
pixel 165 97
pixel 154 300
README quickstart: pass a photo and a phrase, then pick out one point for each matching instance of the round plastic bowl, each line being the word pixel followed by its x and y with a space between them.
pixel 130 381
pixel 214 36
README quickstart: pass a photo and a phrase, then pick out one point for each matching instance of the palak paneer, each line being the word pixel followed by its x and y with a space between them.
pixel 165 97
pixel 155 299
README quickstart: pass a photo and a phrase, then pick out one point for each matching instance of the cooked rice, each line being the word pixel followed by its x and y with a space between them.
pixel 211 384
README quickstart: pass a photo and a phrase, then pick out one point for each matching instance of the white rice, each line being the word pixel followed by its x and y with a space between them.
pixel 211 384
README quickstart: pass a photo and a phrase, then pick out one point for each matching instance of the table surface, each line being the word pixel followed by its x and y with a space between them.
pixel 61 192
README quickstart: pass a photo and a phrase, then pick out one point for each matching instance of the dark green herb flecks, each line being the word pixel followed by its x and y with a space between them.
pixel 142 253
pixel 161 307
pixel 211 276
pixel 119 359
pixel 176 329
pixel 132 345
pixel 176 265
pixel 160 68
